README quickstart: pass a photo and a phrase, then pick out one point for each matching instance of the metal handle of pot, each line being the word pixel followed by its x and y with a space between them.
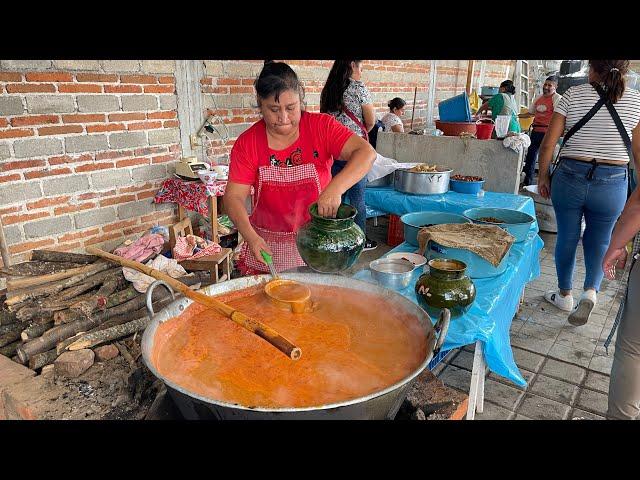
pixel 149 296
pixel 442 326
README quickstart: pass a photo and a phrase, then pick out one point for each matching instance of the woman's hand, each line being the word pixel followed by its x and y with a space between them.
pixel 544 185
pixel 615 257
pixel 328 203
pixel 256 245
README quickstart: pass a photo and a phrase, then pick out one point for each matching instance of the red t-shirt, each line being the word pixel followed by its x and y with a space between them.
pixel 328 137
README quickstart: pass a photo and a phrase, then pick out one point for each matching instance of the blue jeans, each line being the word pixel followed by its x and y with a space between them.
pixel 601 200
pixel 532 156
pixel 355 194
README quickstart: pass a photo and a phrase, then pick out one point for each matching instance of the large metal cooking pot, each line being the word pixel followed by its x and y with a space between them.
pixel 420 183
pixel 381 182
pixel 380 405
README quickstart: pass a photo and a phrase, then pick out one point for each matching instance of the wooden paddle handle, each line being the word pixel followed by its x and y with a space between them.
pixel 260 329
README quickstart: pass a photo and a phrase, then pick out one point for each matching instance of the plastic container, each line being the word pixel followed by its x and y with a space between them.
pixel 395 233
pixel 413 222
pixel 455 109
pixel 525 123
pixel 453 129
pixel 517 223
pixel 484 129
pixel 461 186
pixel 489 91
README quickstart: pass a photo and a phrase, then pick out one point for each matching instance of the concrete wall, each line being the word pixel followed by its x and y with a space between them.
pixel 499 166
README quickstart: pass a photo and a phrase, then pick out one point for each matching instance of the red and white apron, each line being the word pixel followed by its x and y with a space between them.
pixel 283 197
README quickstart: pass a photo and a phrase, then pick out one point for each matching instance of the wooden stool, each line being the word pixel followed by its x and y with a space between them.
pixel 219 264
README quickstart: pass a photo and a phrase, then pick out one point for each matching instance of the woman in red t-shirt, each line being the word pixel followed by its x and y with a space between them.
pixel 287 158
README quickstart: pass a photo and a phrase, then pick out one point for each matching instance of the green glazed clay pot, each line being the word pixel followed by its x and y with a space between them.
pixel 445 286
pixel 330 245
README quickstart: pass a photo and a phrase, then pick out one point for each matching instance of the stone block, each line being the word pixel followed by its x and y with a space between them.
pixel 86 143
pixel 68 184
pixel 168 102
pixel 19 192
pixel 109 179
pixel 570 354
pixel 74 363
pixel 456 377
pixel 98 103
pixel 118 141
pixel 164 136
pixel 87 65
pixel 31 399
pixel 135 209
pixel 12 234
pixel 5 151
pixel 50 104
pixel 159 66
pixel 11 105
pixel 139 103
pixel 578 414
pixel 49 226
pixel 25 64
pixel 98 216
pixel 121 65
pixel 491 411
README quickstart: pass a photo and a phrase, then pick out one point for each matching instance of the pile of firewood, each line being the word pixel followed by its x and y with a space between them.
pixel 62 301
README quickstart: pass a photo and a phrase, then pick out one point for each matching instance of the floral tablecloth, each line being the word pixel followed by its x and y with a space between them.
pixel 191 195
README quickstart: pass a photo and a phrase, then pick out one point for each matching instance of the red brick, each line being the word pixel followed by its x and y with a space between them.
pixel 21 164
pixel 46 173
pixel 153 217
pixel 166 79
pixel 164 158
pixel 138 79
pixel 141 228
pixel 88 196
pixel 90 167
pixel 229 81
pixel 132 162
pixel 7 210
pixel 10 77
pixel 9 178
pixel 62 159
pixel 143 195
pixel 106 352
pixel 34 120
pixel 242 89
pixel 30 87
pixel 123 117
pixel 137 188
pixel 96 77
pixel 170 123
pixel 75 236
pixel 103 238
pixel 74 363
pixel 47 202
pixel 109 127
pixel 49 77
pixel 16 132
pixel 122 89
pixel 11 373
pixel 73 208
pixel 160 89
pixel 141 152
pixel 32 399
pixel 23 217
pixel 68 246
pixel 24 247
pixel 118 225
pixel 208 89
pixel 84 118
pixel 79 88
pixel 4 122
pixel 161 115
pixel 60 130
pixel 117 200
pixel 144 125
pixel 110 155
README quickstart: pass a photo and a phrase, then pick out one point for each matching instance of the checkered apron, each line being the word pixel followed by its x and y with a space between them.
pixel 283 197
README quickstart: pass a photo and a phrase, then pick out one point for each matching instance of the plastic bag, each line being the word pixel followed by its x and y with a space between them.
pixel 502 125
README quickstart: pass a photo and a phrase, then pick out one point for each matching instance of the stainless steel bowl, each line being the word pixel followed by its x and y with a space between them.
pixel 393 273
pixel 420 183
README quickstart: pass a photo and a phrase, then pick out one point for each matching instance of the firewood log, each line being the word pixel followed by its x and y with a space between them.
pixel 99 300
pixel 87 284
pixel 89 340
pixel 42 359
pixel 53 256
pixel 12 334
pixel 27 282
pixel 35 331
pixel 10 350
pixel 32 269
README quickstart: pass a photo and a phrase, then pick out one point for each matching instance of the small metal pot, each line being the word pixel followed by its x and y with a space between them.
pixel 393 273
pixel 422 183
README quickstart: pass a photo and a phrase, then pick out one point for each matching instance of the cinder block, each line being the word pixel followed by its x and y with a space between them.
pixel 11 105
pixel 148 172
pixel 164 136
pixel 89 65
pixel 86 143
pixel 50 104
pixel 158 66
pixel 110 179
pixel 37 147
pixel 137 103
pixel 122 140
pixel 168 102
pixel 214 68
pixel 121 65
pixel 98 216
pixel 19 192
pixel 5 151
pixel 49 226
pixel 11 373
pixel 12 234
pixel 32 399
pixel 225 101
pixel 98 103
pixel 60 185
pixel 25 64
pixel 237 69
pixel 135 209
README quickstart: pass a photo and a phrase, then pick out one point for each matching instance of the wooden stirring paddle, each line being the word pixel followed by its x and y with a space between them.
pixel 260 329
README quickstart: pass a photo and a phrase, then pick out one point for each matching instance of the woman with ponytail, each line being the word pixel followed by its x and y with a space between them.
pixel 590 179
pixel 504 103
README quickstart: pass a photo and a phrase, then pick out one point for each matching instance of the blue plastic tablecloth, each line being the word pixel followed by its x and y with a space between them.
pixel 489 318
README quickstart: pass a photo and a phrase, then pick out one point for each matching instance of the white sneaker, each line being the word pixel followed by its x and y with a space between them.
pixel 583 310
pixel 563 303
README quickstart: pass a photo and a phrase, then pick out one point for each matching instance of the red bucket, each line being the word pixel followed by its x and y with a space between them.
pixel 395 231
pixel 484 130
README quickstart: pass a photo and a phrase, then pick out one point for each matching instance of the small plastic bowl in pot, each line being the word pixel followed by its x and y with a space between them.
pixel 393 273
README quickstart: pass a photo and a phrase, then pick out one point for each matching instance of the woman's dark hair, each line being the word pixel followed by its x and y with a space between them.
pixel 331 97
pixel 508 86
pixel 396 103
pixel 610 75
pixel 275 78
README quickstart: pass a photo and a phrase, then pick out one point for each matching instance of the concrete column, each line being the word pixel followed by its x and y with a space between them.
pixel 191 113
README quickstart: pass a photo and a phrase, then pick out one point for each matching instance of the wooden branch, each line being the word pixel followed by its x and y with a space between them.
pixel 53 288
pixel 7 317
pixel 35 331
pixel 9 328
pixel 53 256
pixel 89 340
pixel 42 359
pixel 10 350
pixel 121 296
pixel 98 301
pixel 17 284
pixel 87 284
pixel 125 353
pixel 31 269
pixel 11 335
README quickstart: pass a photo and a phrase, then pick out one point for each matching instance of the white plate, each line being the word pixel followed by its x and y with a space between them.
pixel 417 260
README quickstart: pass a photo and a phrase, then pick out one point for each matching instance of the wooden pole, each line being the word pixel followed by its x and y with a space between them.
pixel 4 250
pixel 260 329
pixel 469 76
pixel 413 110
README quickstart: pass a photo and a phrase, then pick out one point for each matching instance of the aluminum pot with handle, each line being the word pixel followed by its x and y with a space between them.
pixel 422 183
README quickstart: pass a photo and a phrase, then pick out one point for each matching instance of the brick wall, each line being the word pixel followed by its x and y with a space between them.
pixel 84 146
pixel 228 91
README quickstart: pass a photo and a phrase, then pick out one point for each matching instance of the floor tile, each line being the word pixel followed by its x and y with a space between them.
pixel 553 389
pixel 499 393
pixel 597 381
pixel 592 401
pixel 571 355
pixel 541 408
pixel 491 411
pixel 563 371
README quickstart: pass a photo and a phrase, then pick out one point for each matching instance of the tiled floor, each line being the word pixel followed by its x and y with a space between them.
pixel 566 367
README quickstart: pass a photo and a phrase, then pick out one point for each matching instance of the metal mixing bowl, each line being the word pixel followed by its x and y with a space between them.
pixel 393 273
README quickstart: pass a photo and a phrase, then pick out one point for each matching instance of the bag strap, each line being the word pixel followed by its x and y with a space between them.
pixel 350 114
pixel 617 121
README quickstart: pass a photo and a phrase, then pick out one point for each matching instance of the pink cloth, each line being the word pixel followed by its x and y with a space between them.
pixel 142 249
pixel 192 247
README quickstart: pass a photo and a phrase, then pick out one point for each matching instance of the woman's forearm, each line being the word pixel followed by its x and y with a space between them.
pixel 545 156
pixel 238 214
pixel 628 223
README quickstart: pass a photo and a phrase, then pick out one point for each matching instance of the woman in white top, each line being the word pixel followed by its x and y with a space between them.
pixel 591 178
pixel 391 120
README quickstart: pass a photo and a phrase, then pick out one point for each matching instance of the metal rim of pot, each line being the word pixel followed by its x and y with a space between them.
pixel 440 331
